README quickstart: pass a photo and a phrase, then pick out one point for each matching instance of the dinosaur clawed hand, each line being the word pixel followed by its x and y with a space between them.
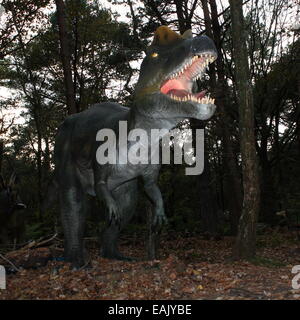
pixel 159 219
pixel 113 211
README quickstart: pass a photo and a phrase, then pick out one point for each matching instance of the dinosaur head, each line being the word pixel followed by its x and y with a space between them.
pixel 172 64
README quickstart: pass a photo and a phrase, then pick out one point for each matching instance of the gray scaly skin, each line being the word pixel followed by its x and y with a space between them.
pixel 163 97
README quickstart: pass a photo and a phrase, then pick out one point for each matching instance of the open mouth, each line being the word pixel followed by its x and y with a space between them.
pixel 178 85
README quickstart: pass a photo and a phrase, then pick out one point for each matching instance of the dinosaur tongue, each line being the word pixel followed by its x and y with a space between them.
pixel 178 87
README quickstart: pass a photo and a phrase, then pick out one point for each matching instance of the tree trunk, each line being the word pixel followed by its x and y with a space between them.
pixel 65 57
pixel 208 204
pixel 213 30
pixel 153 234
pixel 298 114
pixel 1 153
pixel 245 242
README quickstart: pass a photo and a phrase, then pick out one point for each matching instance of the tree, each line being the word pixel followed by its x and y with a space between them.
pixel 245 242
pixel 221 89
pixel 65 56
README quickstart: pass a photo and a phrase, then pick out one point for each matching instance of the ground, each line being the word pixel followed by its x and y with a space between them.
pixel 189 268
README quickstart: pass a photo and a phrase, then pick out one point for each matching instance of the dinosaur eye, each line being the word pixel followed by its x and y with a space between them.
pixel 154 55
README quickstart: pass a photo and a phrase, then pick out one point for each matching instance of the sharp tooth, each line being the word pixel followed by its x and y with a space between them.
pixel 213 101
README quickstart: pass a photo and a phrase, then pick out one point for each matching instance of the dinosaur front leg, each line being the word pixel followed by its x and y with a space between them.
pixel 153 192
pixel 105 195
pixel 126 198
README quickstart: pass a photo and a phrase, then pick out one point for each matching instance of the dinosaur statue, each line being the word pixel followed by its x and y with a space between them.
pixel 163 97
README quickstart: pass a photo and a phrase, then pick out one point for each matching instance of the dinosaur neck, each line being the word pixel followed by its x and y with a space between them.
pixel 154 118
pixel 149 121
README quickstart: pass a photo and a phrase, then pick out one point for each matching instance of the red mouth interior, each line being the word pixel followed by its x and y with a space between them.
pixel 181 86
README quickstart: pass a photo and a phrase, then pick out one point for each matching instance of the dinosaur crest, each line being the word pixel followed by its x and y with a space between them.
pixel 165 36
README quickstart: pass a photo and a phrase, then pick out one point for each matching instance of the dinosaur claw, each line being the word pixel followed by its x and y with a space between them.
pixel 113 211
pixel 159 220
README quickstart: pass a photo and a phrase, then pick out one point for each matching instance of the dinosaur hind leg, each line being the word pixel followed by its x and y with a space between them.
pixel 73 203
